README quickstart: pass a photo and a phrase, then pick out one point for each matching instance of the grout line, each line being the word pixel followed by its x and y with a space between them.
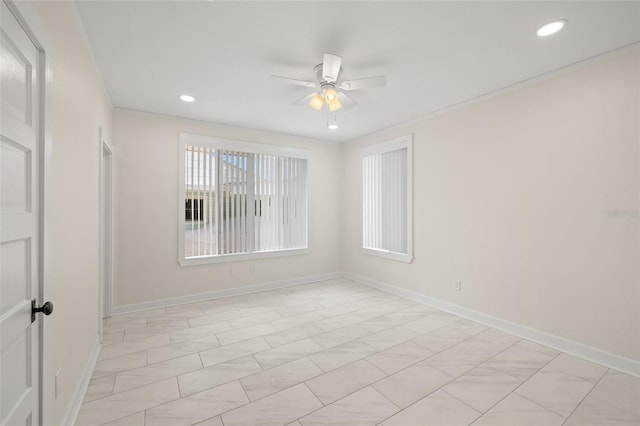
pixel 518 387
pixel 585 397
pixel 453 379
pixel 244 390
pixel 200 358
pixel 544 408
pixel 311 361
pixel 391 402
pixel 113 386
pixel 179 389
pixel 253 355
pixel 120 418
pixel 346 396
pixel 158 405
pixel 119 371
pixel 350 341
pixel 463 402
pixel 248 403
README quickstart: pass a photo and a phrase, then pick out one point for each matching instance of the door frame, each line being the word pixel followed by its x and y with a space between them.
pixel 35 30
pixel 105 293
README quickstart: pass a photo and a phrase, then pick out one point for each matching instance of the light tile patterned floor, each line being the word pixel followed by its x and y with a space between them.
pixel 338 352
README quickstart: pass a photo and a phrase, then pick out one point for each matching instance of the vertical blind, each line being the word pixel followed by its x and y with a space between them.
pixel 243 202
pixel 384 201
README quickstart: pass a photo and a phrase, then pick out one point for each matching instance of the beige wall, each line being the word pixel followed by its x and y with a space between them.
pixel 510 197
pixel 146 212
pixel 80 108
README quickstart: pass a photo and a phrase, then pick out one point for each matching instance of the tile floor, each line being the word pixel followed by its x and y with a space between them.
pixel 338 352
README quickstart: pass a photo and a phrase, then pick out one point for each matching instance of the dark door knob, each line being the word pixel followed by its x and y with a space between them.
pixel 46 309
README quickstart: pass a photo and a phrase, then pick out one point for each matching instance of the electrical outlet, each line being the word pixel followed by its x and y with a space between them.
pixel 56 384
pixel 458 286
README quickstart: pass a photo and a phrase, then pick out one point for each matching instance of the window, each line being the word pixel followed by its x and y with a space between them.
pixel 240 200
pixel 387 199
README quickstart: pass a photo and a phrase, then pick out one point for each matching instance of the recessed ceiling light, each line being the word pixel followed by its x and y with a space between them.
pixel 187 98
pixel 551 28
pixel 332 126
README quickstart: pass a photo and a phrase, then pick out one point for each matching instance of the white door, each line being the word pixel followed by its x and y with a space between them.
pixel 19 224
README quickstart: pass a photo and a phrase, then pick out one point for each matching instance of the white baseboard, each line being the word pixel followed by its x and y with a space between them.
pixel 617 362
pixel 216 294
pixel 73 408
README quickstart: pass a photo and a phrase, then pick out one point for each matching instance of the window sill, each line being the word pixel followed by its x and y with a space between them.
pixel 233 257
pixel 401 257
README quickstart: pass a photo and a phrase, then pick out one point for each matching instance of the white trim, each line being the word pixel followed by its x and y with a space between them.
pixel 100 236
pixel 105 247
pixel 216 294
pixel 71 414
pixel 401 257
pixel 396 144
pixel 181 195
pixel 620 363
pixel 232 257
pixel 33 25
pixel 388 146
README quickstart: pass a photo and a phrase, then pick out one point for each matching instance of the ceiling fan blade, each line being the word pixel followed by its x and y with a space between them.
pixel 331 67
pixel 293 81
pixel 305 100
pixel 363 83
pixel 346 100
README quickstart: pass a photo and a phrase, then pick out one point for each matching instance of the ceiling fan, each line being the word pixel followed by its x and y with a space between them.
pixel 328 88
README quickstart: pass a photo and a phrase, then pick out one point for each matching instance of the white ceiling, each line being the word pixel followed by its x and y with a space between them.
pixel 434 54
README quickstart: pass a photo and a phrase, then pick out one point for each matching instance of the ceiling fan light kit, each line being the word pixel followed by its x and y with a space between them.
pixel 317 101
pixel 332 91
pixel 330 95
pixel 331 98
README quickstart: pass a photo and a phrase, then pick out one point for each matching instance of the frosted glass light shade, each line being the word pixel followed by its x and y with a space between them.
pixel 335 105
pixel 317 101
pixel 330 95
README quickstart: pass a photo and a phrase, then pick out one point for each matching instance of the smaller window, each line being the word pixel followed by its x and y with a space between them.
pixel 387 192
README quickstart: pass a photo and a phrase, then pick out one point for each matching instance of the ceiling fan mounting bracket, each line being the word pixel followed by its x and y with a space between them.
pixel 326 85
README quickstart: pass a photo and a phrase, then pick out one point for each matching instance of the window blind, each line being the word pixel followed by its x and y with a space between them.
pixel 243 202
pixel 386 199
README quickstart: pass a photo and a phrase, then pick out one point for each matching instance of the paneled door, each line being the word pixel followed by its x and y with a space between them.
pixel 19 224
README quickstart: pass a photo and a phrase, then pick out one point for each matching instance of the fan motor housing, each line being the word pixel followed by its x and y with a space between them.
pixel 318 70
